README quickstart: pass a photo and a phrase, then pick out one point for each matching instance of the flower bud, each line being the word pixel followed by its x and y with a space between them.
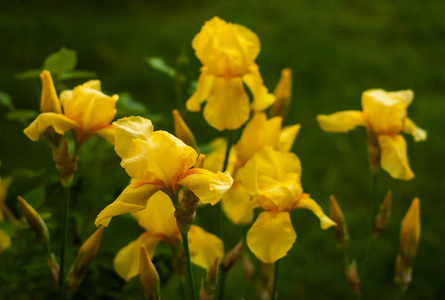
pixel 49 101
pixel 410 233
pixel 209 283
pixel 283 93
pixel 148 276
pixel 183 132
pixel 232 257
pixel 65 163
pixel 185 210
pixel 403 274
pixel 382 218
pixel 53 266
pixel 341 230
pixel 353 278
pixel 84 257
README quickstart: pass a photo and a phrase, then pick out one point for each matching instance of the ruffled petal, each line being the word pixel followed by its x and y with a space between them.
pixel 237 204
pixel 287 137
pixel 107 133
pixel 204 247
pixel 126 261
pixel 418 133
pixel 227 104
pixel 202 91
pixel 262 99
pixel 59 122
pixel 127 129
pixel 207 186
pixel 133 198
pixel 308 203
pixel 49 101
pixel 342 121
pixel 393 157
pixel 271 236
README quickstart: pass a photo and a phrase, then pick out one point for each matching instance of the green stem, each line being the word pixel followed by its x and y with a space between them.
pixel 275 281
pixel 66 208
pixel 189 266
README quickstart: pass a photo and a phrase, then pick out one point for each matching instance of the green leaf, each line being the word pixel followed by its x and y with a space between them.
pixel 7 227
pixel 5 100
pixel 159 64
pixel 76 75
pixel 36 197
pixel 21 115
pixel 60 62
pixel 129 106
pixel 30 74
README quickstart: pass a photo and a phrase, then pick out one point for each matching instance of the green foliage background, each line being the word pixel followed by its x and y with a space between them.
pixel 336 49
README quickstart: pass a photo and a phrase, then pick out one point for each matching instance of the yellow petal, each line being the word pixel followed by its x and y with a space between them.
pixel 287 137
pixel 202 91
pixel 214 160
pixel 283 93
pixel 59 122
pixel 49 101
pixel 227 104
pixel 342 121
pixel 308 203
pixel 237 204
pixel 259 132
pixel 126 261
pixel 204 247
pixel 133 198
pixel 158 217
pixel 262 99
pixel 127 129
pixel 405 96
pixel 418 133
pixel 393 157
pixel 148 276
pixel 182 131
pixel 271 236
pixel 107 132
pixel 410 232
pixel 207 186
pixel 162 158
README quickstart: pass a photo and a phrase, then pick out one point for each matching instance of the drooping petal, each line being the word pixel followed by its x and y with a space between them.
pixel 308 203
pixel 204 247
pixel 162 158
pixel 207 186
pixel 342 121
pixel 202 91
pixel 262 99
pixel 59 122
pixel 126 261
pixel 132 199
pixel 107 132
pixel 418 133
pixel 127 129
pixel 287 137
pixel 237 204
pixel 393 156
pixel 271 236
pixel 158 217
pixel 49 101
pixel 227 104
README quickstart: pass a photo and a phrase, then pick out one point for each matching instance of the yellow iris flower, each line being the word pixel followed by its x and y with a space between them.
pixel 160 224
pixel 228 52
pixel 157 160
pixel 273 179
pixel 86 111
pixel 384 115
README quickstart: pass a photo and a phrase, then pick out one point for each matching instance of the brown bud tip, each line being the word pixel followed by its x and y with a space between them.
pixel 36 222
pixel 65 163
pixel 232 257
pixel 209 284
pixel 382 218
pixel 353 278
pixel 341 230
pixel 148 276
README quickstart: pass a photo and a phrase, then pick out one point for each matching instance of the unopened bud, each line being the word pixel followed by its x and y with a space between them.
pixel 36 222
pixel 382 218
pixel 65 163
pixel 410 233
pixel 84 257
pixel 353 278
pixel 232 257
pixel 182 131
pixel 148 276
pixel 283 93
pixel 341 230
pixel 403 274
pixel 49 101
pixel 53 266
pixel 209 283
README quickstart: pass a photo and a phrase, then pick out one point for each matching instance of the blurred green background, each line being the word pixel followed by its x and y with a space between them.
pixel 336 50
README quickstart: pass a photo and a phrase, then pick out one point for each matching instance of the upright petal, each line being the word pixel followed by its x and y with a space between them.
pixel 271 236
pixel 182 131
pixel 133 198
pixel 308 203
pixel 204 247
pixel 287 137
pixel 59 122
pixel 126 261
pixel 227 104
pixel 49 101
pixel 342 121
pixel 237 204
pixel 393 157
pixel 418 133
pixel 262 99
pixel 202 91
pixel 207 186
pixel 127 129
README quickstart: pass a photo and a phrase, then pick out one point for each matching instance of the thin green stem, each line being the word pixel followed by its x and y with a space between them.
pixel 275 282
pixel 189 266
pixel 66 208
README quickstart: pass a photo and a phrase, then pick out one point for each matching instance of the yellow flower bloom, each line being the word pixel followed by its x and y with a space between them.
pixel 385 116
pixel 158 161
pixel 160 224
pixel 273 179
pixel 86 111
pixel 228 52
